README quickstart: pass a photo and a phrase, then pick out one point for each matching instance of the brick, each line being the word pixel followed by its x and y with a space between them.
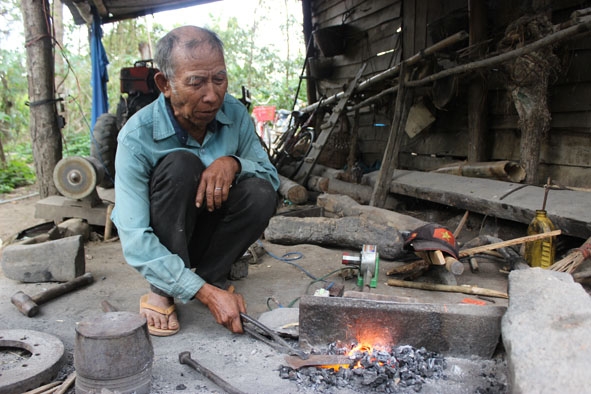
pixel 60 260
pixel 459 330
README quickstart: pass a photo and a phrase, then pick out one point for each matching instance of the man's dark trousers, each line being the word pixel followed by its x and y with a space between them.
pixel 209 242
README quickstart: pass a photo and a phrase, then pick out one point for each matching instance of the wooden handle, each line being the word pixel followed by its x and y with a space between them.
pixel 454 266
pixel 63 288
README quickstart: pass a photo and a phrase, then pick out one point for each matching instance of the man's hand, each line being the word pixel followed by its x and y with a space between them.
pixel 224 306
pixel 215 182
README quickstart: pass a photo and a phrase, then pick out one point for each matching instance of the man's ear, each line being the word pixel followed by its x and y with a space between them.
pixel 162 83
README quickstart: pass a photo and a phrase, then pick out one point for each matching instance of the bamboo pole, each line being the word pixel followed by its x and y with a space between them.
pixel 511 242
pixel 393 71
pixel 505 170
pixel 495 60
pixel 475 290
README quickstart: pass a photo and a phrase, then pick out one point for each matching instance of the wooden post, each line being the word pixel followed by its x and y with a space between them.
pixel 477 90
pixel 307 16
pixel 390 160
pixel 353 146
pixel 45 134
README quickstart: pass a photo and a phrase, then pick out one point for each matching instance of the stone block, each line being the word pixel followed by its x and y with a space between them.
pixel 460 330
pixel 546 333
pixel 60 260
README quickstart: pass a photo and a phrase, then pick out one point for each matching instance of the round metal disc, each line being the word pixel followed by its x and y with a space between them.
pixel 75 177
pixel 43 365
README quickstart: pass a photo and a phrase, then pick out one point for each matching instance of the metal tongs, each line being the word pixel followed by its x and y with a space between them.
pixel 251 325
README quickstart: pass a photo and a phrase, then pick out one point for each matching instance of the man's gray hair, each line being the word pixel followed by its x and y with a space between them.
pixel 167 44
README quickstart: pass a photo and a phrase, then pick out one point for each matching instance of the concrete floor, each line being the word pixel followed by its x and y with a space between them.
pixel 241 360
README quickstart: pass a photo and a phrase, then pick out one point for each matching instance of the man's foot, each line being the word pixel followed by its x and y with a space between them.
pixel 160 313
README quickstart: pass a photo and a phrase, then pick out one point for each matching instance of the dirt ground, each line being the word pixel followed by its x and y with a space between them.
pixel 244 362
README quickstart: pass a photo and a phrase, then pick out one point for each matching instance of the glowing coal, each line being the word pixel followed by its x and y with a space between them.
pixel 378 369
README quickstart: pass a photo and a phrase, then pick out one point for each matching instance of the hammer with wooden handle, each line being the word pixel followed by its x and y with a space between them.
pixel 29 306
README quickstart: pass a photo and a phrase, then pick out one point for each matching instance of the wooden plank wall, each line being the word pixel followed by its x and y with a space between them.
pixel 565 156
pixel 379 22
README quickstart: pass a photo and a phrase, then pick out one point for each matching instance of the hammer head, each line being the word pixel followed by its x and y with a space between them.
pixel 25 304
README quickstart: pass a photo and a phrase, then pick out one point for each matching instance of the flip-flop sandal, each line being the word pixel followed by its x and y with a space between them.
pixel 159 332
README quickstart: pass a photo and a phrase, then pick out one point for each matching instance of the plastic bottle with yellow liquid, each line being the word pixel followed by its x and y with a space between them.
pixel 541 253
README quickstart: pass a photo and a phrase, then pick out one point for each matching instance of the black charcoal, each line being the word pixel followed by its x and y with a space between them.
pixel 397 370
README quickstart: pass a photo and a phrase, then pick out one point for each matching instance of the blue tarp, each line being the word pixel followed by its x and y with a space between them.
pixel 98 57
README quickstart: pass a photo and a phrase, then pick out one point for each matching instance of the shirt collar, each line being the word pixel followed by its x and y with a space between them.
pixel 182 134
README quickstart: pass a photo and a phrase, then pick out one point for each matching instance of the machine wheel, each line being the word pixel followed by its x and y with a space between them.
pixel 104 146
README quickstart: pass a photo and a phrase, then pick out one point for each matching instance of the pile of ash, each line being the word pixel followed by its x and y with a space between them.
pixel 401 369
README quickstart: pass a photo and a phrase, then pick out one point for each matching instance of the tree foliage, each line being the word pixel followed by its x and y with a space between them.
pixel 269 71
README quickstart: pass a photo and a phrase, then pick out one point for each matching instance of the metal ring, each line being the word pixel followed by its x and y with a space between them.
pixel 218 188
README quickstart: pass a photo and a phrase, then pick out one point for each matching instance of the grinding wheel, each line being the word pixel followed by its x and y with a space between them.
pixel 43 365
pixel 76 177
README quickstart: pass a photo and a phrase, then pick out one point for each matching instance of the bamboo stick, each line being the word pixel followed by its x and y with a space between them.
pixel 511 242
pixel 448 288
pixel 67 383
pixel 44 388
pixel 409 268
pixel 461 224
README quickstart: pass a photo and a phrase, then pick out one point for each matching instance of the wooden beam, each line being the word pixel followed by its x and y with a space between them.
pixel 569 210
pixel 100 7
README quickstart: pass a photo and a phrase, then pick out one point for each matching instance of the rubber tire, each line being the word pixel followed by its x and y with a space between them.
pixel 104 146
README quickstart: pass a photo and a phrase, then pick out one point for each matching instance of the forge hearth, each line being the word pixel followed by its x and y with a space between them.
pixel 399 369
pixel 459 330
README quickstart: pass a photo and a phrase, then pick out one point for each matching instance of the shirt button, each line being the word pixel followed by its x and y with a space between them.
pixel 202 151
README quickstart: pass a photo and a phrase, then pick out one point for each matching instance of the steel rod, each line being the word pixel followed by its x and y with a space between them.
pixel 185 358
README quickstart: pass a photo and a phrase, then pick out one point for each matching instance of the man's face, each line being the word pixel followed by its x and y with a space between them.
pixel 197 90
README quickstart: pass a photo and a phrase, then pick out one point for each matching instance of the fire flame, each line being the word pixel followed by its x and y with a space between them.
pixel 356 353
